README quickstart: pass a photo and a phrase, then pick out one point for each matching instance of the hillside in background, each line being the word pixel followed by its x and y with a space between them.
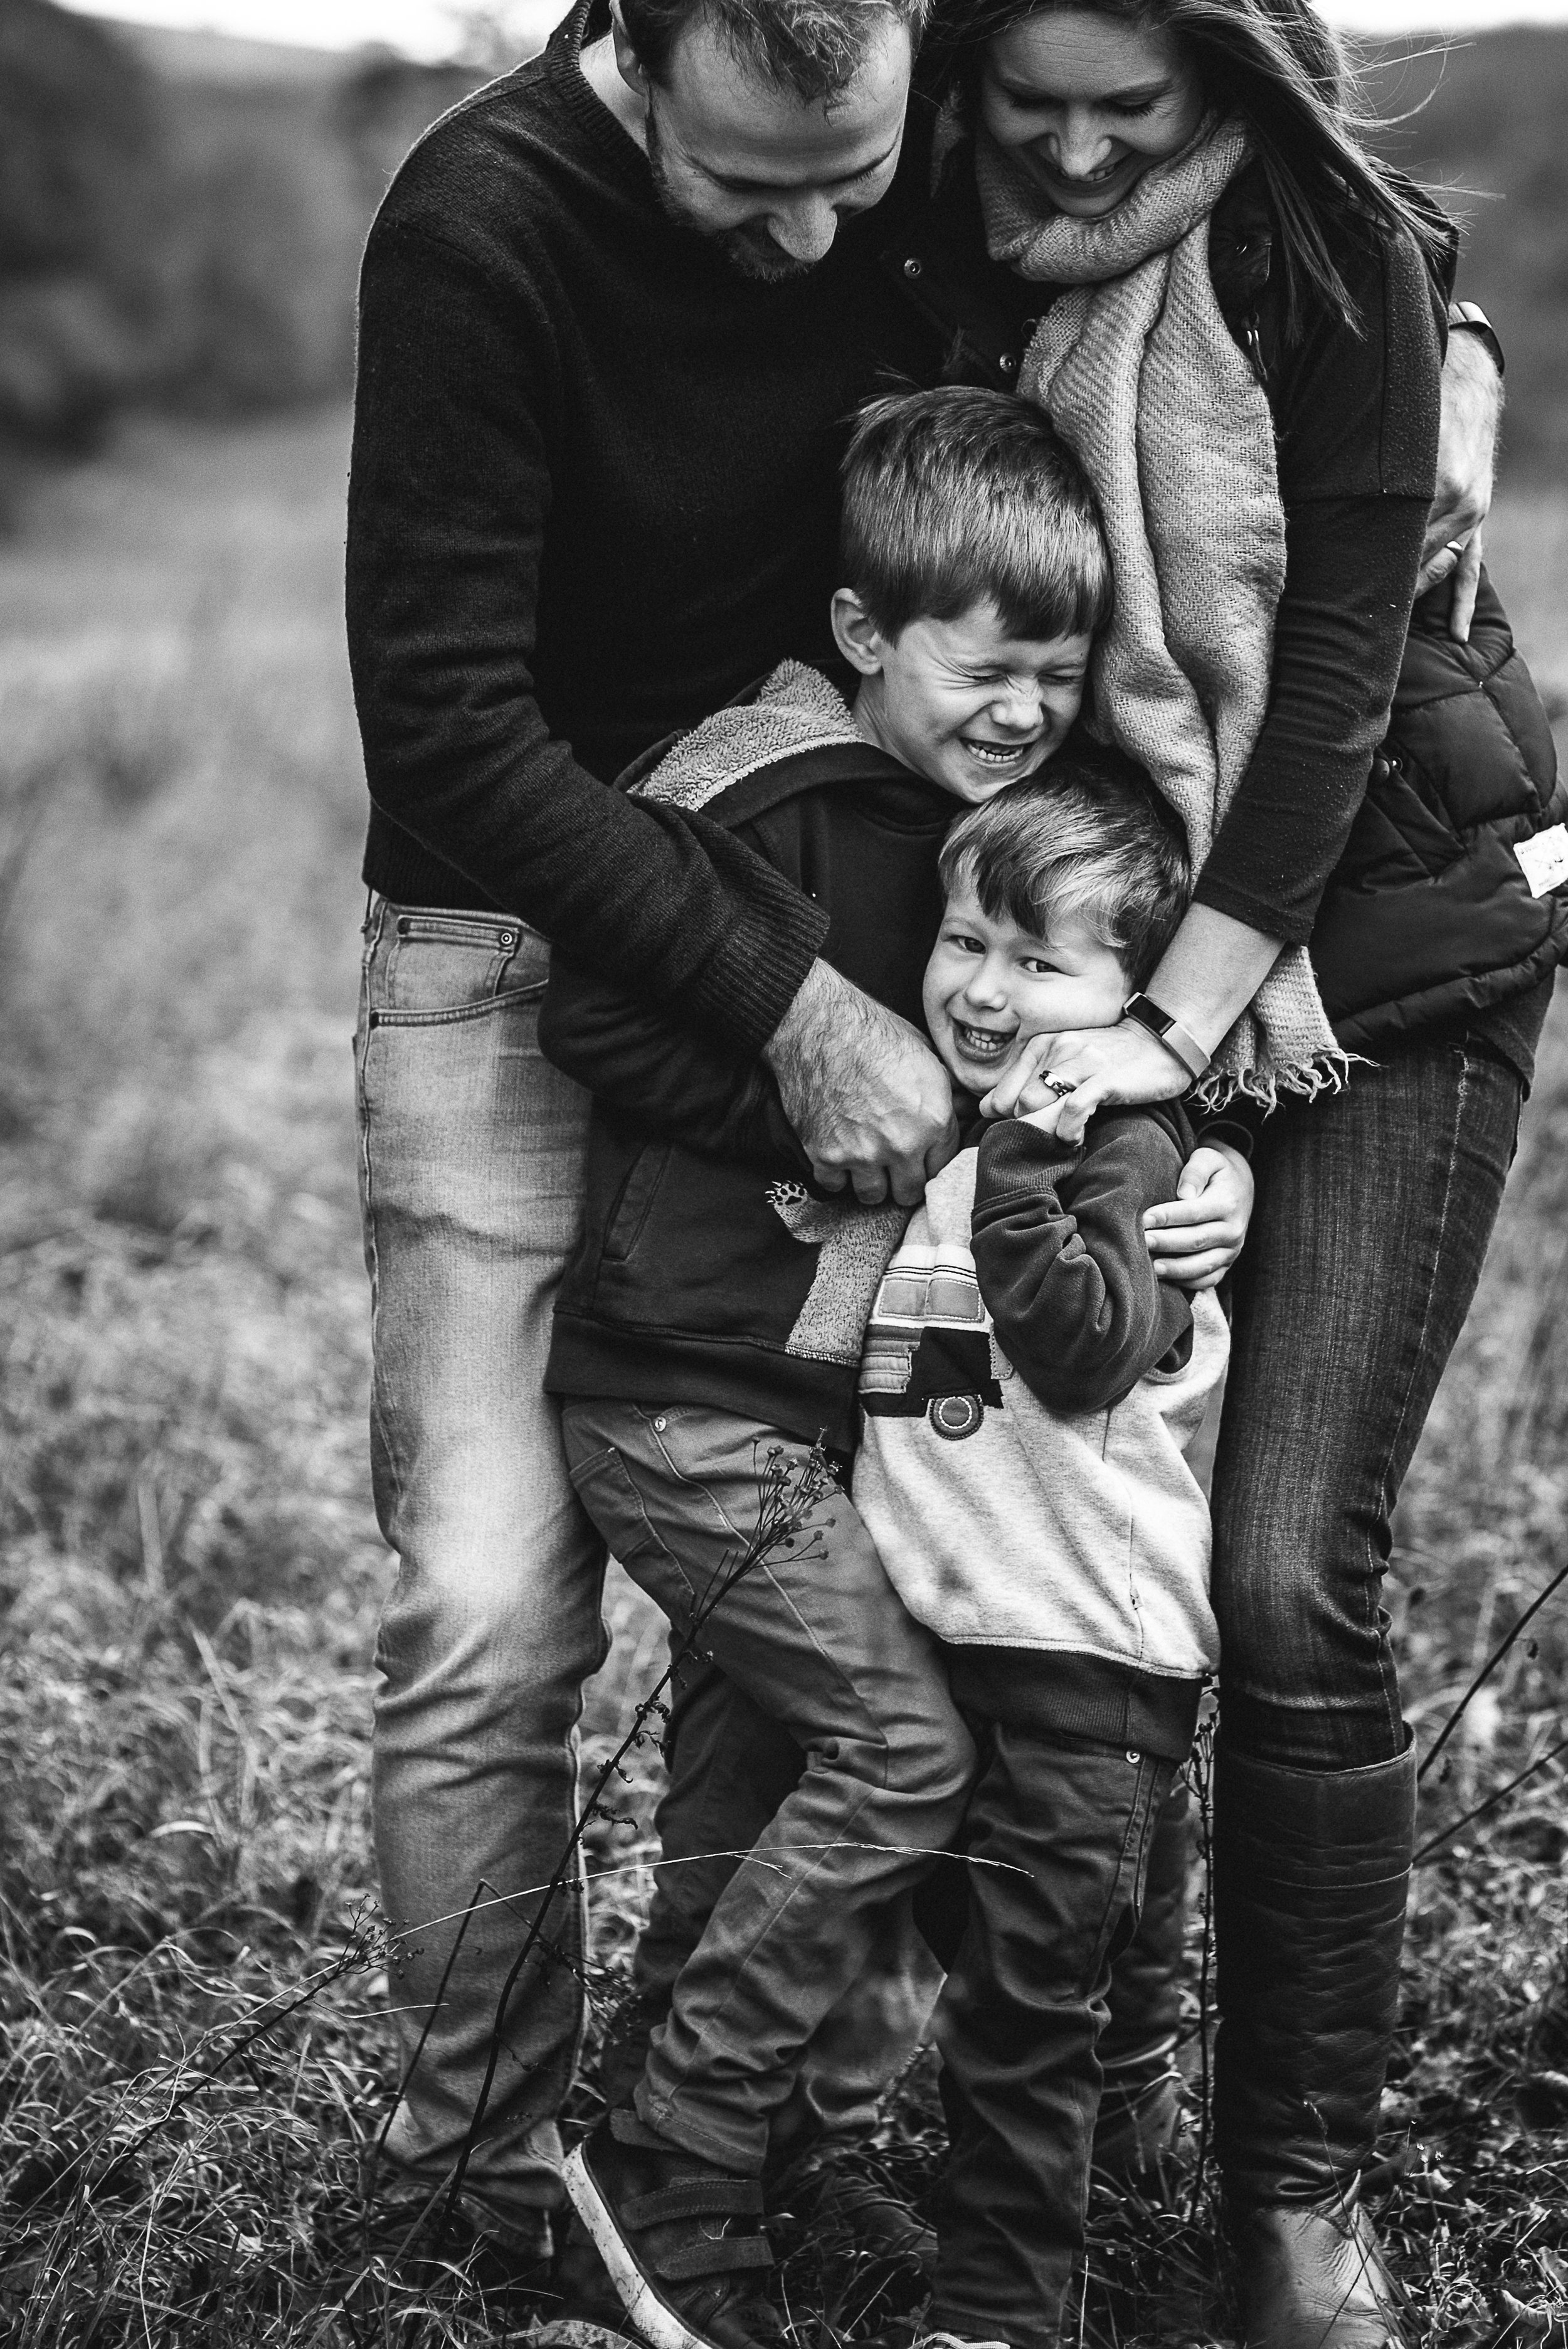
pixel 1489 133
pixel 182 213
pixel 181 216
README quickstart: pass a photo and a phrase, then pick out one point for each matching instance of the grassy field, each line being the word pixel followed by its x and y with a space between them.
pixel 190 1571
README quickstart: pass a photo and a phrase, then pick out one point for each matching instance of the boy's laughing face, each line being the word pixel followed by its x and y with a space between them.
pixel 989 985
pixel 961 701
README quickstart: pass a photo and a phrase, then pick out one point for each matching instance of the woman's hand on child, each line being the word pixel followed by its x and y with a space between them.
pixel 1196 1237
pixel 1097 1066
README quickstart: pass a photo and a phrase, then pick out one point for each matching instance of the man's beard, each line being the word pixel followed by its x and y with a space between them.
pixel 750 251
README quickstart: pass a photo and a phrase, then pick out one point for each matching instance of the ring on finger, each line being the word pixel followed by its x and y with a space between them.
pixel 1059 1086
pixel 1456 546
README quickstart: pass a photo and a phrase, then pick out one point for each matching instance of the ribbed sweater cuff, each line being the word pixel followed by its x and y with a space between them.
pixel 1293 927
pixel 757 969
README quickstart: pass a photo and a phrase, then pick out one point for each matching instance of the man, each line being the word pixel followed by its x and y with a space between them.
pixel 615 312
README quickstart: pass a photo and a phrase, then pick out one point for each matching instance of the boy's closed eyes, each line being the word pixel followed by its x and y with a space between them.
pixel 964 701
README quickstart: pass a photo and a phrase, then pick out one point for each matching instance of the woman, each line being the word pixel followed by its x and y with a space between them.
pixel 1239 339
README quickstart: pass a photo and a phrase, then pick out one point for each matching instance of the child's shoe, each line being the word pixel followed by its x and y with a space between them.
pixel 858 2202
pixel 1140 2119
pixel 1542 2094
pixel 957 2341
pixel 867 2247
pixel 663 2222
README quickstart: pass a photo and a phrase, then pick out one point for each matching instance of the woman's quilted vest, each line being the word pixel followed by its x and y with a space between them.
pixel 1429 913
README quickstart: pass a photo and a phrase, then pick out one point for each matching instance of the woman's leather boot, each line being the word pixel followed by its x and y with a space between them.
pixel 1311 1870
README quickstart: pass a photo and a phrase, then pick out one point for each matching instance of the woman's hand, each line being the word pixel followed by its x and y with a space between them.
pixel 1466 462
pixel 1196 1237
pixel 1058 1082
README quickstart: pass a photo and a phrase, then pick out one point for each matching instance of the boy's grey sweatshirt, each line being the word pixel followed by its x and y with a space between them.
pixel 1031 1393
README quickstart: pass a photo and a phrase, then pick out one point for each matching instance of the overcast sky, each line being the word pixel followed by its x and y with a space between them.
pixel 424 26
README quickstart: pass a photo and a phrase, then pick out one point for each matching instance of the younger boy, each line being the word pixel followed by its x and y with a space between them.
pixel 1031 1390
pixel 708 1328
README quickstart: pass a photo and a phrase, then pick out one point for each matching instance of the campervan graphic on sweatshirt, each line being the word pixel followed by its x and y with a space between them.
pixel 929 1347
pixel 1031 1392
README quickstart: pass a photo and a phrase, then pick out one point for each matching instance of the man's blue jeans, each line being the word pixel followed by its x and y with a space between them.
pixel 471 1148
pixel 471 1164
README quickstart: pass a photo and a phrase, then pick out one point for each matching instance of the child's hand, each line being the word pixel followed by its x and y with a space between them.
pixel 1196 1237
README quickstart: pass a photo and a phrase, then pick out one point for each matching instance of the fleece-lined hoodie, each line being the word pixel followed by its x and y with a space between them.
pixel 711 1268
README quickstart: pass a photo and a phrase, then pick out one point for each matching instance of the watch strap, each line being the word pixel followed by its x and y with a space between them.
pixel 1178 1040
pixel 1469 318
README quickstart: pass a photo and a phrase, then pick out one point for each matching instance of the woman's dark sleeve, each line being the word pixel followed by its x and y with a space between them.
pixel 448 497
pixel 1356 417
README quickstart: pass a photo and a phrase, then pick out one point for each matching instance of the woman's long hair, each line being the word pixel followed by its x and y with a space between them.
pixel 1283 71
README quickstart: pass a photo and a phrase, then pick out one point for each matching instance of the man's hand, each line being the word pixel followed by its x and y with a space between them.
pixel 1196 1237
pixel 1467 466
pixel 870 1102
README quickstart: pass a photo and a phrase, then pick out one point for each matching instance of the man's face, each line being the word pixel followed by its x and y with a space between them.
pixel 760 173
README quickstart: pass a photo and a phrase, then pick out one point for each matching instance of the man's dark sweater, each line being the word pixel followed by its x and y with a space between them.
pixel 594 494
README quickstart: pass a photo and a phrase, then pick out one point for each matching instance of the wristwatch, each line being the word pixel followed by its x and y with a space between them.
pixel 1469 318
pixel 1178 1040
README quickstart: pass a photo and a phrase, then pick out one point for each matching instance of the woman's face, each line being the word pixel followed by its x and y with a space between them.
pixel 1086 103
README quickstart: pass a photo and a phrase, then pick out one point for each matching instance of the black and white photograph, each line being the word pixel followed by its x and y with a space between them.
pixel 783 1174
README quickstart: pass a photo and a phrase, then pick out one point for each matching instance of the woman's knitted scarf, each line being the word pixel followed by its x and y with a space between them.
pixel 1138 372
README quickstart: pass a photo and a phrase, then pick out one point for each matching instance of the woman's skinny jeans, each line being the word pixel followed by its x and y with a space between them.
pixel 1375 1206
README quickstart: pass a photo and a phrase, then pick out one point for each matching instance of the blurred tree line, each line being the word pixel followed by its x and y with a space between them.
pixel 188 241
pixel 195 240
pixel 1487 136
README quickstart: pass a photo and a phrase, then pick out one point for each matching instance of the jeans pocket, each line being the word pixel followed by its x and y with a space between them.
pixel 609 1489
pixel 431 965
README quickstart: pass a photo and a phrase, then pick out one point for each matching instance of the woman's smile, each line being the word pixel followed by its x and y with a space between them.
pixel 1087 104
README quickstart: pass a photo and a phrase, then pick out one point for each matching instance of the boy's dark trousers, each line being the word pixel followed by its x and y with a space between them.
pixel 1061 1828
pixel 814 1634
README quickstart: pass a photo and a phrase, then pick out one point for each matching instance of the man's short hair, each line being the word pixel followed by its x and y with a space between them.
pixel 1090 837
pixel 956 495
pixel 812 47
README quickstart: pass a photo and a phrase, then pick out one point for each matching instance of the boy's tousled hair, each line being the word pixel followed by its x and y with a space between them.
pixel 956 495
pixel 1091 838
pixel 813 49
